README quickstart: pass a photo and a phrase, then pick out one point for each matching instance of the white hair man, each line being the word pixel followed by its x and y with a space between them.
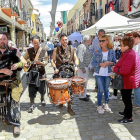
pixel 84 56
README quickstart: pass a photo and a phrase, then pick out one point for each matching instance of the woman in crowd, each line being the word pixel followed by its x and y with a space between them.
pixel 128 66
pixel 136 37
pixel 118 54
pixel 102 61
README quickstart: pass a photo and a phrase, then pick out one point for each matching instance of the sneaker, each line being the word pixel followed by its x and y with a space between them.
pixel 43 102
pixel 137 111
pixel 121 114
pixel 100 109
pixel 113 97
pixel 32 107
pixel 107 108
pixel 125 121
pixel 134 105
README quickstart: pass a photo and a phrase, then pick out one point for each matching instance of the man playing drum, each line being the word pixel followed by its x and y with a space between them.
pixel 10 85
pixel 64 55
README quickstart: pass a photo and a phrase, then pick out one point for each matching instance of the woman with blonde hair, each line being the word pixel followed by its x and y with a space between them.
pixel 102 61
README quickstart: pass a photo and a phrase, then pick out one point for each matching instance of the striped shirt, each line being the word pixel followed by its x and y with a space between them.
pixel 84 55
pixel 137 71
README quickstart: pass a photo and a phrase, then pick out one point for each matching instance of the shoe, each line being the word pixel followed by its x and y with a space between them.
pixel 134 105
pixel 87 96
pixel 43 102
pixel 137 111
pixel 70 111
pixel 32 107
pixel 125 121
pixel 121 114
pixel 60 106
pixel 95 90
pixel 107 108
pixel 16 130
pixel 84 99
pixel 100 109
pixel 113 97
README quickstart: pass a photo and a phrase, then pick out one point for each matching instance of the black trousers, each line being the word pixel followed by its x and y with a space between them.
pixel 126 97
pixel 33 89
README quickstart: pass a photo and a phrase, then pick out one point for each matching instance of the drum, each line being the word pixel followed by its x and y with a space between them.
pixel 59 90
pixel 78 85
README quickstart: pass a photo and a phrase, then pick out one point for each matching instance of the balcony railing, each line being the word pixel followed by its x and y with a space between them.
pixel 98 14
pixel 11 5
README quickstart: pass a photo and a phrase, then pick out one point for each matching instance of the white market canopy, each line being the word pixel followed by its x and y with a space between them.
pixel 112 22
pixel 75 36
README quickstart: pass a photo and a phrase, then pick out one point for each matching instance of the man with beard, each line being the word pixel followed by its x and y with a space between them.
pixel 64 55
pixel 10 86
pixel 38 68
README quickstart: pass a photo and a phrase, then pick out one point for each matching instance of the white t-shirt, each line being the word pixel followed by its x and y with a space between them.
pixel 136 48
pixel 116 44
pixel 103 71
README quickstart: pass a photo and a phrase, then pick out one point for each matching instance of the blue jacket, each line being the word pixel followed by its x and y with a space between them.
pixel 97 59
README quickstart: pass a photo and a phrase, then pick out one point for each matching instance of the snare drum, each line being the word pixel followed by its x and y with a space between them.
pixel 59 90
pixel 78 85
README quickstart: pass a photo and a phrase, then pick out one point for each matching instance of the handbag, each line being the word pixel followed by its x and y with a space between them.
pixel 118 81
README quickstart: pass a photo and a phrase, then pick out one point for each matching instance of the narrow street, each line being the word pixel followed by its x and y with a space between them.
pixel 52 123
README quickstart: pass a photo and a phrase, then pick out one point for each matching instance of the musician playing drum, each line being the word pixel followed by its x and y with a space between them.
pixel 64 55
pixel 38 55
pixel 10 85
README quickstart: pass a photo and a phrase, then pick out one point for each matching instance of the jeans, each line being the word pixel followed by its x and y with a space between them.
pixel 103 83
pixel 137 96
pixel 126 97
pixel 50 54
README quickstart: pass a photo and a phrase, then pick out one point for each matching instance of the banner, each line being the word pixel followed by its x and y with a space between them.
pixel 64 17
pixel 54 33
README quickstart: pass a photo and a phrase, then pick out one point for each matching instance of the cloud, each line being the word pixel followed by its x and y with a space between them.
pixel 45 16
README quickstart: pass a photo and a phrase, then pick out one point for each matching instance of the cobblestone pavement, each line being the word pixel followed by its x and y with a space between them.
pixel 52 123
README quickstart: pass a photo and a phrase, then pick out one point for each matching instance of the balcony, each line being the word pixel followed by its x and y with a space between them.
pixel 9 8
pixel 98 14
pixel 23 17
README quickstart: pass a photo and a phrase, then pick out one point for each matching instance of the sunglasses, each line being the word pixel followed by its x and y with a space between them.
pixel 119 39
pixel 102 41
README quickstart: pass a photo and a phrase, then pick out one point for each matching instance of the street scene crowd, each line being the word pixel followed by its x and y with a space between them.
pixel 58 72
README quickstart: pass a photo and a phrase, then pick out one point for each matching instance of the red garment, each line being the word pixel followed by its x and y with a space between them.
pixel 111 6
pixel 126 66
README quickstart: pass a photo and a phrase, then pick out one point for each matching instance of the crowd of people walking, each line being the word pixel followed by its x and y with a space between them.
pixel 107 58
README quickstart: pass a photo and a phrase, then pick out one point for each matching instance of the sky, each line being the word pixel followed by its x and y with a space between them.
pixel 44 6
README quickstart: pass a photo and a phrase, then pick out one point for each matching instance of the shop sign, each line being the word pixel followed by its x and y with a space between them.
pixel 3 29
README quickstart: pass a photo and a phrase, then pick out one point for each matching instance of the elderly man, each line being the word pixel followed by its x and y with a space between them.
pixel 84 56
pixel 95 47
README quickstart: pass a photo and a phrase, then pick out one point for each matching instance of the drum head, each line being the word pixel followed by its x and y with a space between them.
pixel 77 79
pixel 58 81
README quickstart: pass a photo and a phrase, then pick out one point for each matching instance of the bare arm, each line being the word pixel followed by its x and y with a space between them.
pixel 76 59
pixel 53 59
pixel 53 62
